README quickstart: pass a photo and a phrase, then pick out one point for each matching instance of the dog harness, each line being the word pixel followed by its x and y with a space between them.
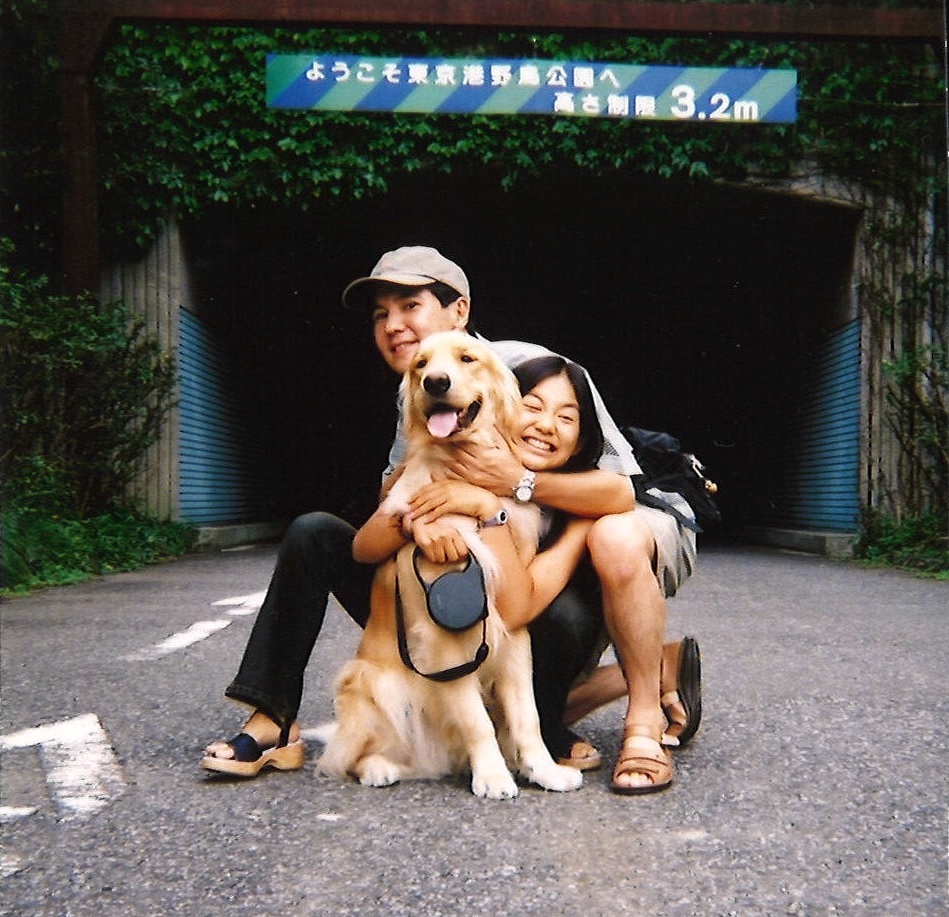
pixel 456 600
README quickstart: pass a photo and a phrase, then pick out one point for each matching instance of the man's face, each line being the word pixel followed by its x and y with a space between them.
pixel 401 322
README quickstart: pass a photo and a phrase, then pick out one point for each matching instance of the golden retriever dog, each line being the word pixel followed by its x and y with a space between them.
pixel 395 723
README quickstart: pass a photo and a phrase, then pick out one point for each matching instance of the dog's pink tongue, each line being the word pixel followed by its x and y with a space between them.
pixel 442 424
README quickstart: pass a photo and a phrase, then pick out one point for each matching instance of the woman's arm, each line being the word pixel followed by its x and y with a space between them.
pixel 383 533
pixel 525 592
pixel 379 538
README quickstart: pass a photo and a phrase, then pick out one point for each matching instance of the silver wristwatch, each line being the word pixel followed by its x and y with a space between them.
pixel 524 489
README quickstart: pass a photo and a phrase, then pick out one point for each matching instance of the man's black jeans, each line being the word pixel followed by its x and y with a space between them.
pixel 315 559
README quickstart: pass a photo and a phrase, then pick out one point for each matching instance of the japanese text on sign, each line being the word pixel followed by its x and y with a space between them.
pixel 327 82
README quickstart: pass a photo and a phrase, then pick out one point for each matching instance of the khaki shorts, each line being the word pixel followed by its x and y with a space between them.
pixel 675 548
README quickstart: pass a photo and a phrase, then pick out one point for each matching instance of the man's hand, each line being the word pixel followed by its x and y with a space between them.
pixel 439 542
pixel 494 468
pixel 435 500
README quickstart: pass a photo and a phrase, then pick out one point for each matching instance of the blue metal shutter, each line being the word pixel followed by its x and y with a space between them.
pixel 821 488
pixel 221 477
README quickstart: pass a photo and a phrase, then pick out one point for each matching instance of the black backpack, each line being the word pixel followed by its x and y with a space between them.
pixel 668 473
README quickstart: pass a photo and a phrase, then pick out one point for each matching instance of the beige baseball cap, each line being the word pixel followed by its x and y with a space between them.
pixel 409 266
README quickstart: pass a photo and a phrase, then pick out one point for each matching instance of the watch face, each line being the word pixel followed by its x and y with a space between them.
pixel 523 493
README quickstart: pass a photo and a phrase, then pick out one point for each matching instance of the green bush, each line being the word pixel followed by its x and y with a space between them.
pixel 918 543
pixel 83 393
pixel 40 549
pixel 83 390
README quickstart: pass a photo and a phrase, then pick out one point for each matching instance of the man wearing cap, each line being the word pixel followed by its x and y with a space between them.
pixel 413 292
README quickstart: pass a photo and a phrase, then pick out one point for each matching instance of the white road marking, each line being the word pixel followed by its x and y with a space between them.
pixel 82 771
pixel 15 813
pixel 243 604
pixel 10 865
pixel 236 606
pixel 198 631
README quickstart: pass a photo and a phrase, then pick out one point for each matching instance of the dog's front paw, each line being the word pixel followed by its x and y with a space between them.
pixel 493 786
pixel 376 770
pixel 554 777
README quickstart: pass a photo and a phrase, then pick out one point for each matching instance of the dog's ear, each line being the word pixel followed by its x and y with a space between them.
pixel 409 421
pixel 508 405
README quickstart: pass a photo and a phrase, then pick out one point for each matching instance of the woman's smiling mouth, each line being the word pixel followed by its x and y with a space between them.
pixel 538 444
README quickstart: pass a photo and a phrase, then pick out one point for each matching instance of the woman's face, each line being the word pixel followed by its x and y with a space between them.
pixel 549 431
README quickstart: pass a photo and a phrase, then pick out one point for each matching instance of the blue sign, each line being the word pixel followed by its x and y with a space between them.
pixel 341 82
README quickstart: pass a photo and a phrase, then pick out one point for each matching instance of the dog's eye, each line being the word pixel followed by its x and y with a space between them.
pixel 421 364
pixel 467 358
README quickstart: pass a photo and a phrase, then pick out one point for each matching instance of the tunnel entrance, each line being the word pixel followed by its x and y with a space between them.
pixel 706 311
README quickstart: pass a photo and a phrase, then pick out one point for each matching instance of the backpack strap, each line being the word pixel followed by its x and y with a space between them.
pixel 658 499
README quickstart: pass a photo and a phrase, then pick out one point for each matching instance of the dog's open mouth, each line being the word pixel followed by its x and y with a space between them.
pixel 444 420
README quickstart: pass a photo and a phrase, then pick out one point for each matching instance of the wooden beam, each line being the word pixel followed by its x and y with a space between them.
pixel 81 39
pixel 769 19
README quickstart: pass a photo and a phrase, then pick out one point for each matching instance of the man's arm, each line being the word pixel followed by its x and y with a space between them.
pixel 591 494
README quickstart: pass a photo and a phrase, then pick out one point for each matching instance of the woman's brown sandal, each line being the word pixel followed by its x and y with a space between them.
pixel 590 758
pixel 682 702
pixel 642 754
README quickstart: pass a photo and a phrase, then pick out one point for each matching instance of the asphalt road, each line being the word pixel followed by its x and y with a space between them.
pixel 817 784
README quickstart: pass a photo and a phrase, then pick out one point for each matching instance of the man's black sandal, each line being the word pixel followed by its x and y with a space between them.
pixel 250 758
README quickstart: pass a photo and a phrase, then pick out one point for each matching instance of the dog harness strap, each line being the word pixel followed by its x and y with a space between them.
pixel 458 671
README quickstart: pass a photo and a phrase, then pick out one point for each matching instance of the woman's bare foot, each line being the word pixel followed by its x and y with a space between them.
pixel 580 754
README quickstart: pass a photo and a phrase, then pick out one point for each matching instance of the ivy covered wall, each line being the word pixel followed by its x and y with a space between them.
pixel 184 123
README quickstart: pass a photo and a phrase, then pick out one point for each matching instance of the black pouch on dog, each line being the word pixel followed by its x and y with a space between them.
pixel 455 600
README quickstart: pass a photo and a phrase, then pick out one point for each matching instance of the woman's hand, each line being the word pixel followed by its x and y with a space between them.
pixel 435 500
pixel 439 542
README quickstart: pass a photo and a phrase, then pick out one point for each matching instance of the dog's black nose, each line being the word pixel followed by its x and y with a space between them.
pixel 437 384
